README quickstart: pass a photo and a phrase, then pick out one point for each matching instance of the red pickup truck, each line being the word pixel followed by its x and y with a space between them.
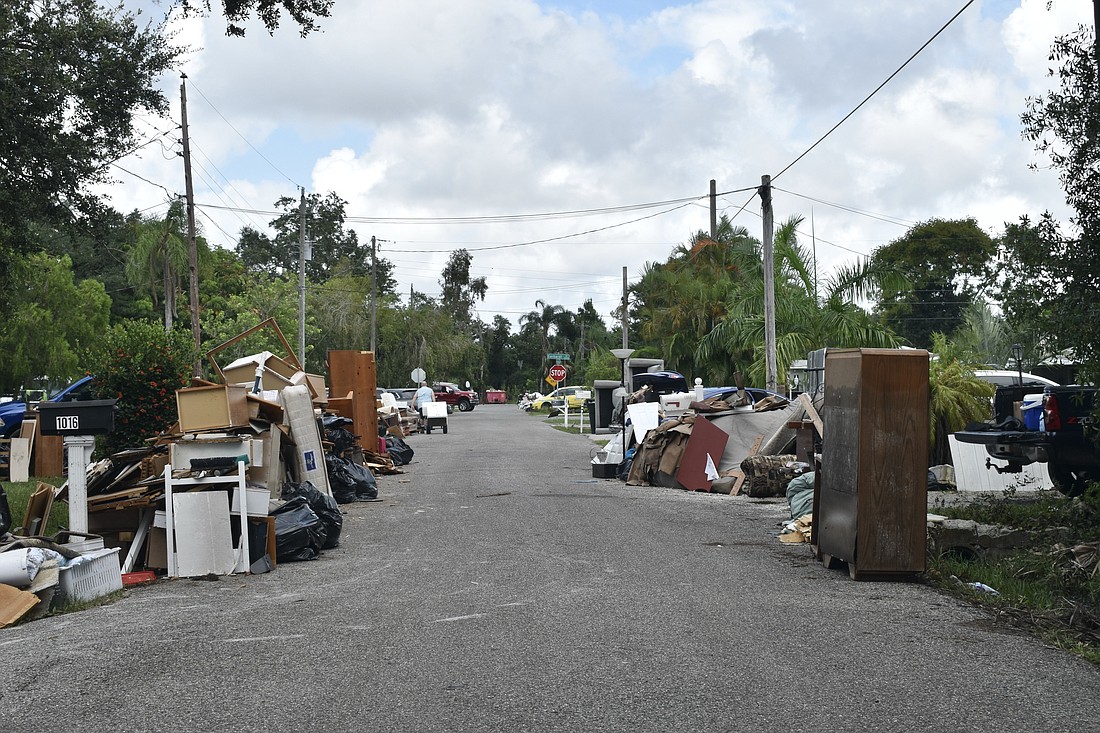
pixel 452 394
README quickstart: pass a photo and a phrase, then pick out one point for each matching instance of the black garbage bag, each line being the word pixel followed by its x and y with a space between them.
pixel 324 506
pixel 5 512
pixel 299 532
pixel 349 480
pixel 341 439
pixel 335 421
pixel 356 481
pixel 366 488
pixel 340 479
pixel 399 450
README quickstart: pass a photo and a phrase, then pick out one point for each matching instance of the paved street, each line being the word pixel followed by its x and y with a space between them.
pixel 500 588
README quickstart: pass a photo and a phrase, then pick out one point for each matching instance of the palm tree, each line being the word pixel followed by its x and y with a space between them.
pixel 156 259
pixel 679 302
pixel 956 396
pixel 804 320
pixel 544 316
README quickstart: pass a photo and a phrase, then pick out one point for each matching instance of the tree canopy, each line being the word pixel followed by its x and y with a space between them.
pixel 303 12
pixel 75 74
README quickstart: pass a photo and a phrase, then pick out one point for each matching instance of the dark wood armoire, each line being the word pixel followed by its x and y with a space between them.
pixel 872 507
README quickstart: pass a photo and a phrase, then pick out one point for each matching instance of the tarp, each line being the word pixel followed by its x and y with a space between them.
pixel 743 428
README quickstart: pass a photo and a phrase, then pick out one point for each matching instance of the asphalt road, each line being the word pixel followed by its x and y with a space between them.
pixel 500 588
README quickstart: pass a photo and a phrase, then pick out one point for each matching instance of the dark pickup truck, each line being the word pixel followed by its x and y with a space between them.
pixel 1065 439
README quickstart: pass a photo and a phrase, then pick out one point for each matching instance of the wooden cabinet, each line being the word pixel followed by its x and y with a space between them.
pixel 874 470
pixel 354 372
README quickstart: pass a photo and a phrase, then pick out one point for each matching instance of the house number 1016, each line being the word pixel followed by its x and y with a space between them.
pixel 68 422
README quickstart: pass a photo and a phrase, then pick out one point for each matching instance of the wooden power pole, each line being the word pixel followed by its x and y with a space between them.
pixel 769 282
pixel 192 246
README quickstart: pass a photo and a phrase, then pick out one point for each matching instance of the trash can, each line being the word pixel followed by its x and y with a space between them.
pixel 590 407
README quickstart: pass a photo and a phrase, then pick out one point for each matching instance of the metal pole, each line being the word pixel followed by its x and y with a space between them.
pixel 713 210
pixel 373 292
pixel 626 339
pixel 302 279
pixel 769 282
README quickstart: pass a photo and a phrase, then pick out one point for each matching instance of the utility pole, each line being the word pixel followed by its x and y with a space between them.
pixel 192 246
pixel 302 280
pixel 713 210
pixel 769 282
pixel 373 292
pixel 626 339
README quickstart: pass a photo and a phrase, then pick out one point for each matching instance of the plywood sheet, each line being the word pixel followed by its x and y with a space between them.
pixel 204 542
pixel 699 465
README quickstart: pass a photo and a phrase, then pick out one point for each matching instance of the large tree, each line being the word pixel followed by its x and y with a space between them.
pixel 1064 124
pixel 52 321
pixel 805 319
pixel 74 74
pixel 460 292
pixel 303 12
pixel 678 302
pixel 944 262
pixel 334 248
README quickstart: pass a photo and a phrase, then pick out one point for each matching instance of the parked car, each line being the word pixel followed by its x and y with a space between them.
pixel 1008 378
pixel 559 397
pixel 453 395
pixel 13 412
pixel 404 394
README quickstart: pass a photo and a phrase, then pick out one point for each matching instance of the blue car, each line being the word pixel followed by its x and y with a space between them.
pixel 12 413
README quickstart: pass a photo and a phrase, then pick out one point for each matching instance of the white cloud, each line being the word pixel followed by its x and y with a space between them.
pixel 446 108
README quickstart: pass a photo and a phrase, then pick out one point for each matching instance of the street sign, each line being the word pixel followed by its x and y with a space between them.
pixel 417 375
pixel 558 357
pixel 557 373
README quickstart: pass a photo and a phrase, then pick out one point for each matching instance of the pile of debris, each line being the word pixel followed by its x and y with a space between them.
pixel 250 475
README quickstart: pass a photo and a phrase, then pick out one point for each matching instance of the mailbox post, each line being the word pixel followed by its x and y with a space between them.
pixel 79 421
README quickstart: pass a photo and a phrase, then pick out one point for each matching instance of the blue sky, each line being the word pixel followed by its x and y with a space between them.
pixel 452 108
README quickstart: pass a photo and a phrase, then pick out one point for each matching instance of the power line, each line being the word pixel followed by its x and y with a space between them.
pixel 555 239
pixel 242 137
pixel 870 215
pixel 876 90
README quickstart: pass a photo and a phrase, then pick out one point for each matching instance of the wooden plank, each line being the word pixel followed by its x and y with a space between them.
pixel 38 510
pixel 811 413
pixel 49 453
pixel 19 460
pixel 740 475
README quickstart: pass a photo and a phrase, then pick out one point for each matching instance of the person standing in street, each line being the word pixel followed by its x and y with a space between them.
pixel 423 396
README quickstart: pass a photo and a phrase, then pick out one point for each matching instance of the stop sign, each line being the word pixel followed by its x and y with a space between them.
pixel 557 373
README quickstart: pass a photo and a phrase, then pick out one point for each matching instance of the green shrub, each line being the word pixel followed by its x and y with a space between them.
pixel 142 366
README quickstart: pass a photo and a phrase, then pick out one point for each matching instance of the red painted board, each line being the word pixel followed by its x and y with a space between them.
pixel 706 440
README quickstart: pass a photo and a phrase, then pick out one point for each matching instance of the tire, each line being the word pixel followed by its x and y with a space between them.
pixel 464 405
pixel 444 429
pixel 545 407
pixel 1068 481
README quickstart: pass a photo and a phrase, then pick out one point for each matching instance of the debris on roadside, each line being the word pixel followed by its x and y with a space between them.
pixel 249 476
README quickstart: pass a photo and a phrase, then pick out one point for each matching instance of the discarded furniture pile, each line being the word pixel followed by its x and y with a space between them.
pixel 250 476
pixel 853 465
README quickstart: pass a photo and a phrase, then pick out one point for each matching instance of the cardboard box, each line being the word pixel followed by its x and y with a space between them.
pixel 267 468
pixel 216 407
pixel 245 376
pixel 244 369
pixel 316 383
